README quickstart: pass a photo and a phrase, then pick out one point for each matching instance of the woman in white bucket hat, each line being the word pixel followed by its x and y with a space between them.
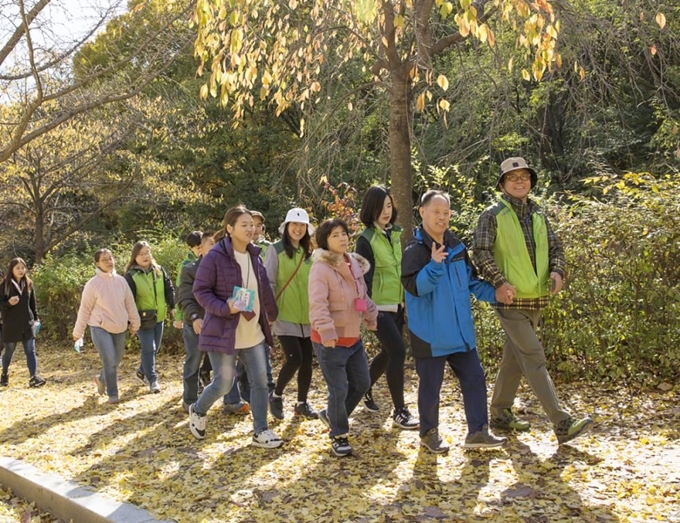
pixel 288 262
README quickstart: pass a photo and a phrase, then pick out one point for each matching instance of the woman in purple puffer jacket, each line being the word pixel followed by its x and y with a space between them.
pixel 233 328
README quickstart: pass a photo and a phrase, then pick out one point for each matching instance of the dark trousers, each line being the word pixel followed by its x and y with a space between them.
pixel 468 369
pixel 299 353
pixel 390 360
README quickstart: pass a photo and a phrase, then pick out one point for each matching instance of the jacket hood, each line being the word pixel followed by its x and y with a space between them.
pixel 336 259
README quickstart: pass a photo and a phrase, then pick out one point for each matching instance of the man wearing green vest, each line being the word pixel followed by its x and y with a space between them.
pixel 514 246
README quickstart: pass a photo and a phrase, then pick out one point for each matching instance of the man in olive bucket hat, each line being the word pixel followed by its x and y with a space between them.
pixel 514 245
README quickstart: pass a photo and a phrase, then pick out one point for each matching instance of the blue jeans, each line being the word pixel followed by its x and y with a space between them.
pixel 192 363
pixel 345 370
pixel 470 374
pixel 223 379
pixel 111 348
pixel 29 350
pixel 150 340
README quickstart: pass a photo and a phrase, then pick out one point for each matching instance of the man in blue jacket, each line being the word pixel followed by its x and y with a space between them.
pixel 438 278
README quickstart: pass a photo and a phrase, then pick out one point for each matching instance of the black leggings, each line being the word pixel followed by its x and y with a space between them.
pixel 298 353
pixel 392 354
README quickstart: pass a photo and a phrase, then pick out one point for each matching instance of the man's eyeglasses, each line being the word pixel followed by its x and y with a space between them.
pixel 516 177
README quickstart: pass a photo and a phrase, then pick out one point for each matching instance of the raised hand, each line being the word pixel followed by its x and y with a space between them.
pixel 439 255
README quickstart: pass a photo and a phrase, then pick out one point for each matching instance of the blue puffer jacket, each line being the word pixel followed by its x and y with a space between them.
pixel 438 296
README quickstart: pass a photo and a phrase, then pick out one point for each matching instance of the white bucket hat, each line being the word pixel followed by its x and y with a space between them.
pixel 297 215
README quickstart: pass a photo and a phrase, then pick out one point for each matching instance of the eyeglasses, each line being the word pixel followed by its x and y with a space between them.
pixel 516 177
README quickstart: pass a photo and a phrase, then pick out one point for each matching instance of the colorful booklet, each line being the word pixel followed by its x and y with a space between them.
pixel 244 299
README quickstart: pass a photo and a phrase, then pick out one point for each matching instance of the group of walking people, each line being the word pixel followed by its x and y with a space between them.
pixel 237 292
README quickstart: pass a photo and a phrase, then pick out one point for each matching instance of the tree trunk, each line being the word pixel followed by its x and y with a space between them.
pixel 400 149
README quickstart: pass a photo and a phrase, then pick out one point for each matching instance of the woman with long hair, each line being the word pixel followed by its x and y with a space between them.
pixel 232 286
pixel 108 307
pixel 288 262
pixel 380 244
pixel 19 319
pixel 155 300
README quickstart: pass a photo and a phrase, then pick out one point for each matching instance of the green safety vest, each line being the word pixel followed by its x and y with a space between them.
pixel 512 256
pixel 293 302
pixel 145 297
pixel 387 288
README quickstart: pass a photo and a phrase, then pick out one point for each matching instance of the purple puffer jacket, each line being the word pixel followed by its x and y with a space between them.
pixel 216 277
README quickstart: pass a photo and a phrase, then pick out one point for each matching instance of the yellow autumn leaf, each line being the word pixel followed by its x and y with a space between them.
pixel 661 20
pixel 420 103
pixel 526 75
pixel 653 50
pixel 443 82
pixel 444 104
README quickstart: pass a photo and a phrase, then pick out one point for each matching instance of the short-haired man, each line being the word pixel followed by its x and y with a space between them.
pixel 514 243
pixel 438 278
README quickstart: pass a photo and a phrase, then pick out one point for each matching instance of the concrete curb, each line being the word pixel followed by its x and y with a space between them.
pixel 65 499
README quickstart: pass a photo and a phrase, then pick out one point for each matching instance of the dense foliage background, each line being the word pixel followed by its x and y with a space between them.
pixel 603 131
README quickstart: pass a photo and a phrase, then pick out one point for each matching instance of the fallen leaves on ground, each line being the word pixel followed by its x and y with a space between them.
pixel 141 451
pixel 13 509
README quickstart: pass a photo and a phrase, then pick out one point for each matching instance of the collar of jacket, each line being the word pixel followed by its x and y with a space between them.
pixel 103 274
pixel 450 239
pixel 225 247
pixel 522 209
pixel 336 260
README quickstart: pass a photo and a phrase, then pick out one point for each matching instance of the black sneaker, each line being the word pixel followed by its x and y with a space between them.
pixel 36 381
pixel 341 447
pixel 369 403
pixel 140 377
pixel 276 405
pixel 204 379
pixel 403 419
pixel 306 411
pixel 4 380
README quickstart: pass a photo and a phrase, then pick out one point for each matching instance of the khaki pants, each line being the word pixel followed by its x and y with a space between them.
pixel 523 355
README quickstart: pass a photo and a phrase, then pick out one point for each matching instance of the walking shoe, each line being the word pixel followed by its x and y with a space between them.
pixel 433 442
pixel 276 405
pixel 154 388
pixel 140 377
pixel 267 439
pixel 303 409
pixel 570 428
pixel 324 418
pixel 403 419
pixel 506 420
pixel 483 439
pixel 4 380
pixel 113 400
pixel 101 386
pixel 36 381
pixel 340 446
pixel 242 407
pixel 204 378
pixel 369 403
pixel 196 423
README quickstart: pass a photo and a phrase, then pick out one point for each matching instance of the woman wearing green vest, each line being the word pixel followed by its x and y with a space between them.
pixel 155 300
pixel 516 250
pixel 380 244
pixel 288 262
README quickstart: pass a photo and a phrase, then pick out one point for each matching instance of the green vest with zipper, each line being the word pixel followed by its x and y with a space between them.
pixel 512 256
pixel 293 302
pixel 145 298
pixel 387 288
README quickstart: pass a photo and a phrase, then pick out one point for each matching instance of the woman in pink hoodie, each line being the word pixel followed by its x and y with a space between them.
pixel 108 307
pixel 338 303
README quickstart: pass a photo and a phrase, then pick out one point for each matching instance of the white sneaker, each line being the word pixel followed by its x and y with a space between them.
pixel 154 388
pixel 196 423
pixel 267 439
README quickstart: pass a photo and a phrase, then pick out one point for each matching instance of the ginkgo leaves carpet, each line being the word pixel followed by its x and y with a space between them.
pixel 141 451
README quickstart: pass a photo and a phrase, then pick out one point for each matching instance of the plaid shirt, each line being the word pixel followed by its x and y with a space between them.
pixel 485 236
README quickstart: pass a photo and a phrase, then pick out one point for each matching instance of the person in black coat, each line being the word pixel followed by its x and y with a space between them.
pixel 20 320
